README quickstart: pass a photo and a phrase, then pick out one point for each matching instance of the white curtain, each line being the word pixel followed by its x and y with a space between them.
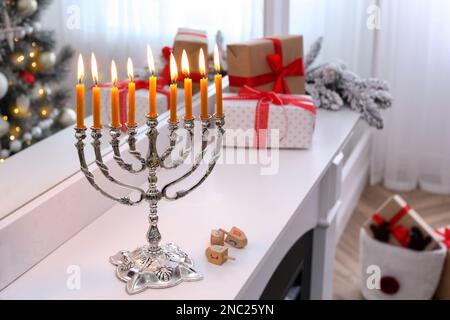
pixel 413 54
pixel 411 50
pixel 342 23
pixel 116 29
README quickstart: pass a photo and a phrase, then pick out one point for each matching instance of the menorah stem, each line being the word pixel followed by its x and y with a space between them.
pixel 153 234
pixel 153 194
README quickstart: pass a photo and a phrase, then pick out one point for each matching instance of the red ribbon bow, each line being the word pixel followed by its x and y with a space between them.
pixel 399 232
pixel 165 73
pixel 265 98
pixel 278 74
pixel 446 236
pixel 123 92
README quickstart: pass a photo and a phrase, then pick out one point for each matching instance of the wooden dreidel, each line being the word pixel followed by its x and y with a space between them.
pixel 218 255
pixel 235 238
pixel 217 238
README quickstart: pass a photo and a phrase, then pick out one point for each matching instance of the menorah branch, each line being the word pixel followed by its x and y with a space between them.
pixel 80 135
pixel 173 137
pixel 115 143
pixel 206 124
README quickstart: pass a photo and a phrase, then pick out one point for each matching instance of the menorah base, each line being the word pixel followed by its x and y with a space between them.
pixel 142 268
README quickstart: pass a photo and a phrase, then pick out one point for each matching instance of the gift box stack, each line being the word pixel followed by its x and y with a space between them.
pixel 192 41
pixel 269 108
pixel 409 255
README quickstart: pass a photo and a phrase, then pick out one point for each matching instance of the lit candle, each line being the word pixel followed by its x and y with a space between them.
pixel 187 87
pixel 218 81
pixel 115 118
pixel 96 106
pixel 204 113
pixel 131 95
pixel 152 84
pixel 80 94
pixel 173 90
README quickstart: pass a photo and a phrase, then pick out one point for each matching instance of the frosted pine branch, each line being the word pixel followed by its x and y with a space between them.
pixel 332 85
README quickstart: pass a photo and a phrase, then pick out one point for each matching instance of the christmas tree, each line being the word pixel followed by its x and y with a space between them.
pixel 32 105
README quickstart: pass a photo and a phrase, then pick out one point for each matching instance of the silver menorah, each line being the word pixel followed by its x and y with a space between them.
pixel 154 265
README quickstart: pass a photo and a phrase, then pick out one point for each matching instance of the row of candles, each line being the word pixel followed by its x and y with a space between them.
pixel 114 91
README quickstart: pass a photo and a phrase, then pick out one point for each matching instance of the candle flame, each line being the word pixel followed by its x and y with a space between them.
pixel 201 62
pixel 173 69
pixel 114 72
pixel 94 69
pixel 130 69
pixel 150 60
pixel 185 63
pixel 216 58
pixel 80 68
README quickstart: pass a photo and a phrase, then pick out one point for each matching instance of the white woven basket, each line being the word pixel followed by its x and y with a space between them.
pixel 417 272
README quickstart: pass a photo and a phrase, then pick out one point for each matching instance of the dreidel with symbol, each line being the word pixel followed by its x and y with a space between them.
pixel 235 238
pixel 218 255
pixel 217 238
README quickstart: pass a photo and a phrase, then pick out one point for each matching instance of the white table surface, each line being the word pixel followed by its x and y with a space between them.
pixel 238 195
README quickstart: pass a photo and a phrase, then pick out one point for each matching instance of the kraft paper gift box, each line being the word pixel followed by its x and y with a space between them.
pixel 258 119
pixel 142 104
pixel 270 64
pixel 401 218
pixel 192 41
pixel 443 292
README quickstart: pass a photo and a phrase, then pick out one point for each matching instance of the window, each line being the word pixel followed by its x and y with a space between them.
pixel 342 23
pixel 118 29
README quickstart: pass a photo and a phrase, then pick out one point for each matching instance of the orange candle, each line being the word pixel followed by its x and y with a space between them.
pixel 173 90
pixel 115 117
pixel 80 94
pixel 187 87
pixel 218 81
pixel 204 112
pixel 96 106
pixel 131 95
pixel 152 84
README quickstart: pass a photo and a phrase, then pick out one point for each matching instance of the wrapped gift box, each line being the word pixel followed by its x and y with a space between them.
pixel 192 41
pixel 268 64
pixel 443 292
pixel 267 120
pixel 400 218
pixel 142 104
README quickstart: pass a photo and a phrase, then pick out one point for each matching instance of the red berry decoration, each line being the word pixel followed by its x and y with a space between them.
pixel 389 285
pixel 27 77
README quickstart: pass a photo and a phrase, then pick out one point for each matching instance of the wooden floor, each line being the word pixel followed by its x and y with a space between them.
pixel 435 209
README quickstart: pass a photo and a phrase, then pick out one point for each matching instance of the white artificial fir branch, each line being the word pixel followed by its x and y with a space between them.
pixel 332 85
